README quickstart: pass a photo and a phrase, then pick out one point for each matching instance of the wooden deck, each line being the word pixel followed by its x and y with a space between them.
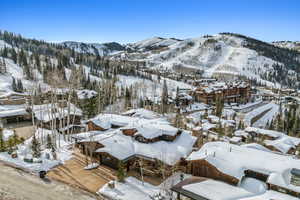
pixel 73 173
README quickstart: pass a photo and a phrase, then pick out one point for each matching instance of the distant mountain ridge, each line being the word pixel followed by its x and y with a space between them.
pixel 102 49
pixel 294 45
pixel 224 54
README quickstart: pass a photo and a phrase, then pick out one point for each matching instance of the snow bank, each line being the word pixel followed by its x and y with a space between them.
pixel 129 190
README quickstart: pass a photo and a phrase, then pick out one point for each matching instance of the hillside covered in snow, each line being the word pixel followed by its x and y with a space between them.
pixel 224 55
pixel 294 45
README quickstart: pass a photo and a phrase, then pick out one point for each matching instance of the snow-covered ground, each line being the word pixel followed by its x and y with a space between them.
pixel 46 161
pixel 133 188
pixel 16 185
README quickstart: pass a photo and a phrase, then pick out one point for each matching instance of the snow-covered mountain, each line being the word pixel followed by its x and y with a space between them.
pixel 222 54
pixel 226 54
pixel 295 45
pixel 94 48
pixel 152 44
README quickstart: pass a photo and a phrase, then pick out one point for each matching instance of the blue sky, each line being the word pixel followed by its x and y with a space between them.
pixel 132 20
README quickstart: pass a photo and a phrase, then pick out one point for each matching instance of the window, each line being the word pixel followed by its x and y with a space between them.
pixel 295 178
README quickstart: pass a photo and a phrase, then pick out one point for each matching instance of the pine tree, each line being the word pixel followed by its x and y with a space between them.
pixel 280 123
pixel 296 126
pixel 219 106
pixel 36 147
pixel 178 119
pixel 121 172
pixel 15 139
pixel 164 98
pixel 2 66
pixel 14 55
pixel 127 98
pixel 19 86
pixel 220 129
pixel 2 142
pixel 177 97
pixel 271 126
pixel 14 85
pixel 10 145
pixel 49 142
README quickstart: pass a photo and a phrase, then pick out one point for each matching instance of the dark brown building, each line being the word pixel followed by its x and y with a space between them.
pixel 231 92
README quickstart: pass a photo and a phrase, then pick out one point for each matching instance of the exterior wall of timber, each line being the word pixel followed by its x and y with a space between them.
pixel 94 127
pixel 203 168
pixel 231 95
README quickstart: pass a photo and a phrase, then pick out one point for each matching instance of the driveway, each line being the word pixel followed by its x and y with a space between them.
pixel 18 185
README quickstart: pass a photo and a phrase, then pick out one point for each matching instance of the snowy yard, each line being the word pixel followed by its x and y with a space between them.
pixel 133 189
pixel 46 160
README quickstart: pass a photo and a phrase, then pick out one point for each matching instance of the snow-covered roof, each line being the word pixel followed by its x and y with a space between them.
pixel 195 107
pixel 269 195
pixel 86 94
pixel 148 128
pixel 107 120
pixel 234 160
pixel 235 139
pixel 12 110
pixel 259 131
pixel 122 147
pixel 7 94
pixel 283 144
pixel 207 126
pixel 215 119
pixel 47 112
pixel 217 190
pixel 241 133
pixel 258 111
pixel 219 86
pixel 141 113
pixel 256 146
pixel 155 129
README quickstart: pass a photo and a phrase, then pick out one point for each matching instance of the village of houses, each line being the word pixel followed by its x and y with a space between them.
pixel 218 141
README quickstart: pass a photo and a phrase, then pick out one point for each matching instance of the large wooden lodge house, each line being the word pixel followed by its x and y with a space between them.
pixel 229 92
pixel 231 164
pixel 135 142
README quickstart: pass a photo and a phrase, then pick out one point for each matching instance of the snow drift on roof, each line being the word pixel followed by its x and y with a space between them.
pixel 234 160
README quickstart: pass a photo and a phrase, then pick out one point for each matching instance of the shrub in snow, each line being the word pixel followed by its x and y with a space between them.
pixel 111 184
pixel 121 172
pixel 36 147
pixel 28 158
